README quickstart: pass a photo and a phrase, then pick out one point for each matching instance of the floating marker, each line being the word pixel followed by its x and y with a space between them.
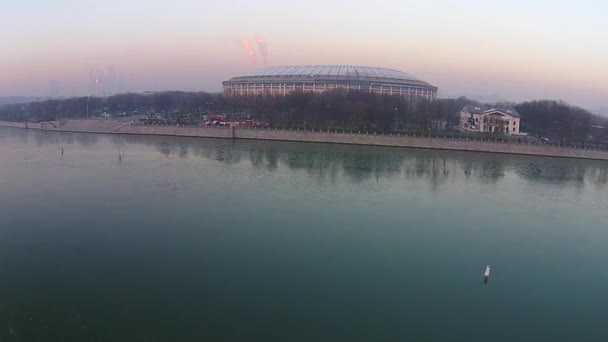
pixel 486 274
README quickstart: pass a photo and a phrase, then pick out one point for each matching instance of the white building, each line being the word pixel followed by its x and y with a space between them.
pixel 481 118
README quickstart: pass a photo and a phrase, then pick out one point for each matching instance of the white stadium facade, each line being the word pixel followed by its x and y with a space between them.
pixel 283 80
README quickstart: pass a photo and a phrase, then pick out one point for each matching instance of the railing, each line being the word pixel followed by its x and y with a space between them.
pixel 382 134
pixel 429 136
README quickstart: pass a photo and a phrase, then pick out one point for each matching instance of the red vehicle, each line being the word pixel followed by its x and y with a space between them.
pixel 215 120
pixel 219 118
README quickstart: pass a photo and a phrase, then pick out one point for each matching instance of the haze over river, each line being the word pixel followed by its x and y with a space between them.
pixel 216 240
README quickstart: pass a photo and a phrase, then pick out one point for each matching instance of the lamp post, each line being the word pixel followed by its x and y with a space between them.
pixel 555 129
pixel 396 116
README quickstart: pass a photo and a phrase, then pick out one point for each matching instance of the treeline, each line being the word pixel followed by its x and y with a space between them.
pixel 335 110
pixel 358 111
pixel 352 111
pixel 559 120
pixel 169 103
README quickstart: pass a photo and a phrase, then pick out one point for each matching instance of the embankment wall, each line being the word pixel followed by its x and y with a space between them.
pixel 116 127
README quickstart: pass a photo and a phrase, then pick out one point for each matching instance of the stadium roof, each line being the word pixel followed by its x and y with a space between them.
pixel 303 73
pixel 331 70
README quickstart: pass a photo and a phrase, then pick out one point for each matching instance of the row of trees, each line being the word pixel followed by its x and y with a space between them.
pixel 555 120
pixel 351 111
pixel 364 111
pixel 333 110
pixel 339 109
pixel 166 103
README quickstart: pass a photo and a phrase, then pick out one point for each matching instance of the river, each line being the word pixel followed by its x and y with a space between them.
pixel 143 238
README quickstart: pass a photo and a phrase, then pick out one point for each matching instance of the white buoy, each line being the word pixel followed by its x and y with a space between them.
pixel 486 274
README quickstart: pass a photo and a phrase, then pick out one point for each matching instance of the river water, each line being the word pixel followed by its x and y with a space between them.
pixel 135 238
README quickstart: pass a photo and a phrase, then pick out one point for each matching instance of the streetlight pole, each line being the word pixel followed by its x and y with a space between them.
pixel 555 129
pixel 396 118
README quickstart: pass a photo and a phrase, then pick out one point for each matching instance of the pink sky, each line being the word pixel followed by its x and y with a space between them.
pixel 514 51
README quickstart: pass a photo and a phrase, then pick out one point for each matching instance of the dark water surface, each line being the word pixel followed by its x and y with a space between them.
pixel 218 240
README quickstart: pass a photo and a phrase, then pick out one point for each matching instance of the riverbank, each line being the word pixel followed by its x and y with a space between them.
pixel 334 137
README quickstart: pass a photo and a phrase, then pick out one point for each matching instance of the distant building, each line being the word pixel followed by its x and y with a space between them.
pixel 322 78
pixel 489 119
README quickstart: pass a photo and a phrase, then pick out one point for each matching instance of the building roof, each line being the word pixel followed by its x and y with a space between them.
pixel 310 73
pixel 481 109
pixel 331 70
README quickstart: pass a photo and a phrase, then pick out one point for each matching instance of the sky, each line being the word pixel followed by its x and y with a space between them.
pixel 513 50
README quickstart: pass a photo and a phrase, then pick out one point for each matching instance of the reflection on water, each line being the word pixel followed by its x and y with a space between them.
pixel 330 162
pixel 149 238
pixel 362 163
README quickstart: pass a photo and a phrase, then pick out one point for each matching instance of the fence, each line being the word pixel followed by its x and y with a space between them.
pixel 496 145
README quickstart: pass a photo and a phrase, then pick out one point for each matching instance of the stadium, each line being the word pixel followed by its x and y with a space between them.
pixel 283 80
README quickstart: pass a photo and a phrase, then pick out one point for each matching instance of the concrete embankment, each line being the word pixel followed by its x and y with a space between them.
pixel 116 127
